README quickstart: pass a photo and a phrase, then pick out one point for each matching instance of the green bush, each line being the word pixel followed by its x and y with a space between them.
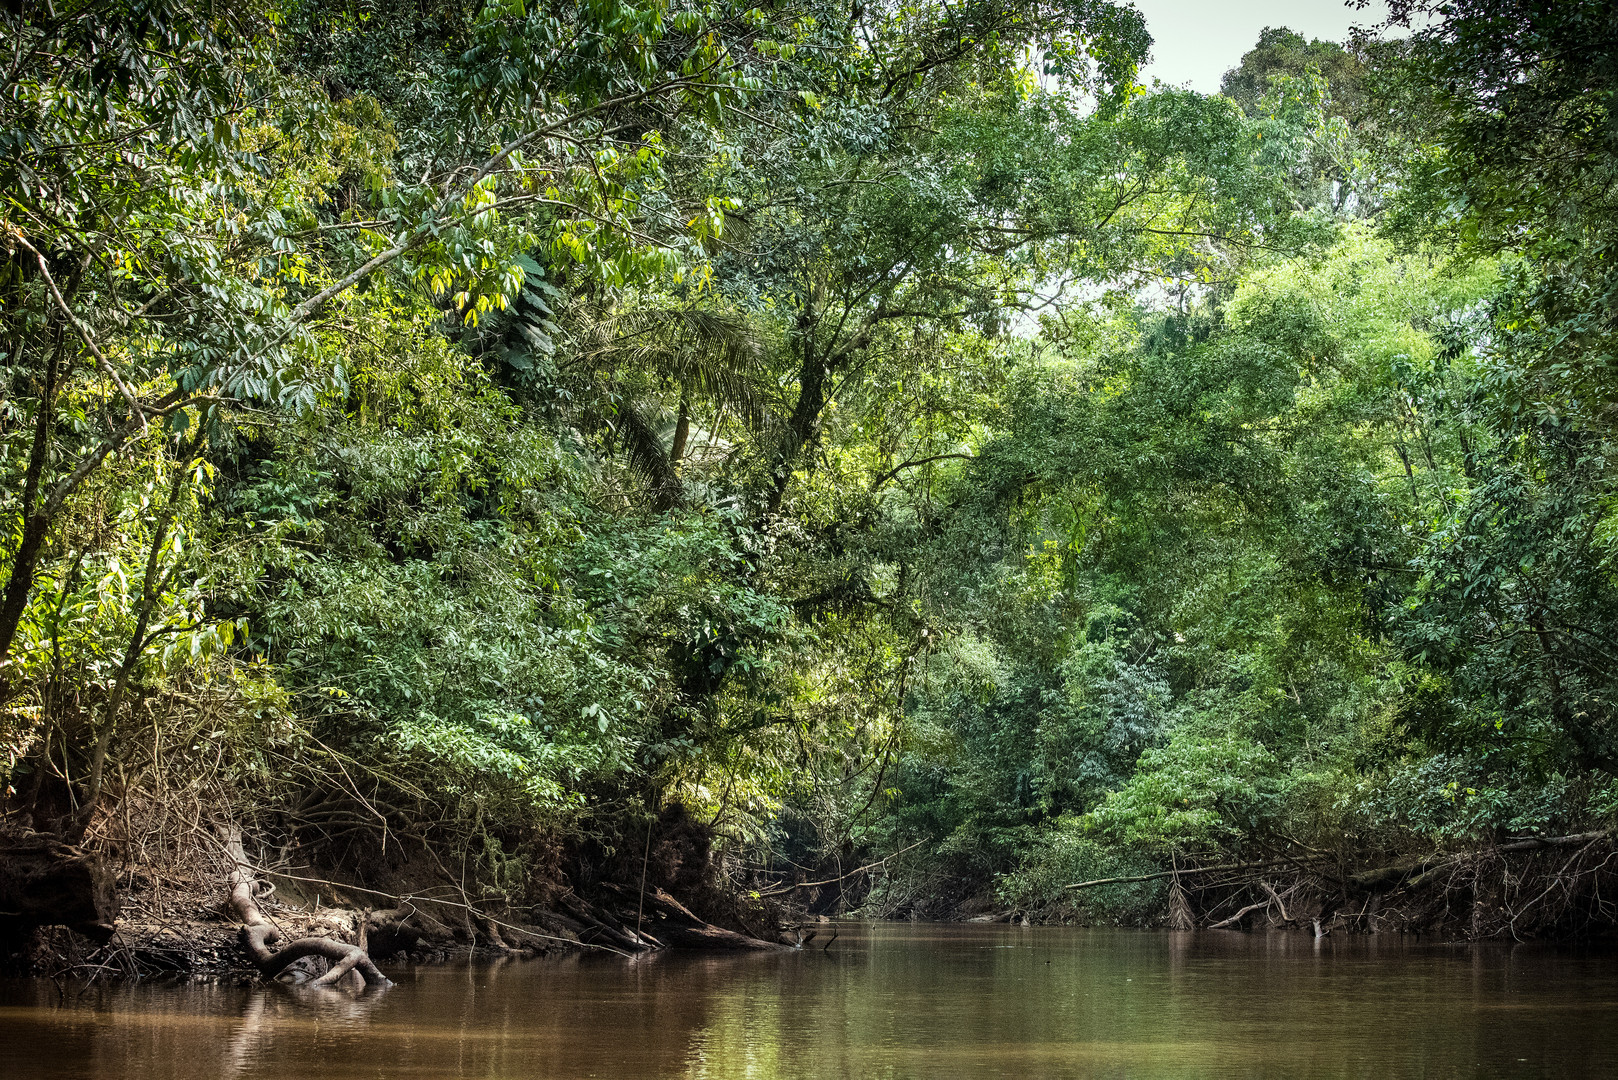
pixel 1065 854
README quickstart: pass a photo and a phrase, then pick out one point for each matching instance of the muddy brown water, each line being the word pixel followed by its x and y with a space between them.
pixel 888 1002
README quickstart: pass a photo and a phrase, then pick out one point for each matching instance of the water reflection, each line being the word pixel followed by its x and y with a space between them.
pixel 272 1009
pixel 891 1001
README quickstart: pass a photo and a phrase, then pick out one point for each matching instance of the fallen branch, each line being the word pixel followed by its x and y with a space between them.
pixel 1418 871
pixel 1265 885
pixel 412 899
pixel 598 921
pixel 1262 865
pixel 1364 879
pixel 842 877
pixel 1222 923
pixel 677 926
pixel 1532 842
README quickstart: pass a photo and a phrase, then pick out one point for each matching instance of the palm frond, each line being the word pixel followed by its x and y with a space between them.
pixel 710 352
pixel 643 447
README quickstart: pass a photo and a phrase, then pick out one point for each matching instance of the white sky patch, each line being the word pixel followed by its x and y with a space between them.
pixel 1194 42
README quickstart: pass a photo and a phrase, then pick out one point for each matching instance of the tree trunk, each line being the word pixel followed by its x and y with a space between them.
pixel 34 522
pixel 682 432
pixel 801 425
pixel 151 589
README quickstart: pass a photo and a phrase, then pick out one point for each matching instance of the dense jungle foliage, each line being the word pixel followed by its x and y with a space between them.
pixel 877 428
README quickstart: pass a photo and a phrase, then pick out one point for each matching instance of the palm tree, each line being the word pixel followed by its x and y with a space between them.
pixel 636 376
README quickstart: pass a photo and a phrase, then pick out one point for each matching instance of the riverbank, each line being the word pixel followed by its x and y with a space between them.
pixel 177 921
pixel 180 926
pixel 95 913
pixel 1558 888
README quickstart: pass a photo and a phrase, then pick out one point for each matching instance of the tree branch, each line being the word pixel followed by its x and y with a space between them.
pixel 897 469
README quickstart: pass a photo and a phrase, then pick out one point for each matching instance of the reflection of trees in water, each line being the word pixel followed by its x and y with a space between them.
pixel 640 1021
pixel 566 1017
pixel 562 1017
pixel 895 1001
pixel 187 1032
pixel 245 1042
pixel 286 1010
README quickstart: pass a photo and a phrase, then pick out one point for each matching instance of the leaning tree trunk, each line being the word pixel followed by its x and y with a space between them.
pixel 258 933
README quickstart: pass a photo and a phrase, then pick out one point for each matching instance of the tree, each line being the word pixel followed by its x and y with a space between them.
pixel 1282 52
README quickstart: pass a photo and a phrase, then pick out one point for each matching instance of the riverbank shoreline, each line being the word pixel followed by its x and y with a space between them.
pixel 189 917
pixel 1554 888
pixel 178 920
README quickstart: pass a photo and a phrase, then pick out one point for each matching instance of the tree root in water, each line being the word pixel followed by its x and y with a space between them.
pixel 258 933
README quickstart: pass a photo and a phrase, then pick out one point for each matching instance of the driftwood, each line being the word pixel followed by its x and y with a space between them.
pixel 258 933
pixel 45 882
pixel 676 926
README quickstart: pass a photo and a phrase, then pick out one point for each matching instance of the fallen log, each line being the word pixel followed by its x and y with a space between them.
pixel 1374 878
pixel 677 927
pixel 1529 843
pixel 598 923
pixel 258 933
pixel 45 882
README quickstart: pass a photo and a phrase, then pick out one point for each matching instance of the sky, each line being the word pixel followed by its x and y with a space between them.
pixel 1196 41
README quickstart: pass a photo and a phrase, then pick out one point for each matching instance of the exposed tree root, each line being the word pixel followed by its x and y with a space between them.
pixel 259 933
pixel 173 925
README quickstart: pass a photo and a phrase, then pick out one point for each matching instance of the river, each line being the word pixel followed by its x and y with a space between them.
pixel 888 1001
